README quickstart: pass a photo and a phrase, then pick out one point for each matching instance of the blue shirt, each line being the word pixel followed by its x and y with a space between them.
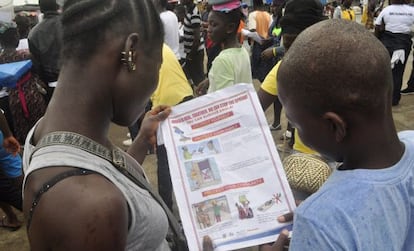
pixel 361 209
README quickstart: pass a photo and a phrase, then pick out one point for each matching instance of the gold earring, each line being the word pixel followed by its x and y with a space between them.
pixel 128 60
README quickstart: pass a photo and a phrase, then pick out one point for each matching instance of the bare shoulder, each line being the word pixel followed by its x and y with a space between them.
pixel 80 213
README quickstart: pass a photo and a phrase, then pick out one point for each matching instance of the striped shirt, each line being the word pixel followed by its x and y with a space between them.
pixel 192 20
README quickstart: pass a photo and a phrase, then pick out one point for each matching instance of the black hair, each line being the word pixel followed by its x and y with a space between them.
pixel 88 23
pixel 231 17
pixel 348 72
pixel 48 5
pixel 10 38
pixel 300 14
pixel 163 4
pixel 23 25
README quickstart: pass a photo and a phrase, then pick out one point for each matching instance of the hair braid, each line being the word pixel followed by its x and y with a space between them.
pixel 87 22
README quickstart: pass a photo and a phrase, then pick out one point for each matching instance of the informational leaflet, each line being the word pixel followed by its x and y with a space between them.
pixel 227 176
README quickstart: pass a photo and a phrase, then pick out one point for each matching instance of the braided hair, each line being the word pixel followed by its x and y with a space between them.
pixel 87 23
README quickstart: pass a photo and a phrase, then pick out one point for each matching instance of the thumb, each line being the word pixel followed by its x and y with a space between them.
pixel 282 240
pixel 207 244
pixel 161 116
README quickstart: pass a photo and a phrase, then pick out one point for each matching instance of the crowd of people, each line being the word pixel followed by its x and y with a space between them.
pixel 97 62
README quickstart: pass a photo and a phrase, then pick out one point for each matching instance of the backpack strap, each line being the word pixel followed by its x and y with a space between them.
pixel 117 159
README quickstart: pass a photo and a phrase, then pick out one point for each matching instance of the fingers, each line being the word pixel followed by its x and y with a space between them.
pixel 282 241
pixel 207 244
pixel 161 112
pixel 280 244
pixel 289 216
pixel 285 218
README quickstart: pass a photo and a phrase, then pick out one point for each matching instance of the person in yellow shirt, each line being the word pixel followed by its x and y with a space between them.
pixel 173 88
pixel 268 90
pixel 297 18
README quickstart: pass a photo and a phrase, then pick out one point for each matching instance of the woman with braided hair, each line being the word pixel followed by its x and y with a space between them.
pixel 73 199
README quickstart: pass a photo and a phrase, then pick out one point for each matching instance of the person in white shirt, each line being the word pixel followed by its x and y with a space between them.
pixel 170 22
pixel 393 28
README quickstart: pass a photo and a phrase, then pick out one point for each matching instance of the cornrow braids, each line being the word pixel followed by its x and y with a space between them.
pixel 87 23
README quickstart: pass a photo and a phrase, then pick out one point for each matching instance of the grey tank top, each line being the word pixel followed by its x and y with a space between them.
pixel 149 224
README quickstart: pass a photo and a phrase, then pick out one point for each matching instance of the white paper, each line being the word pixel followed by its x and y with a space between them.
pixel 253 35
pixel 227 175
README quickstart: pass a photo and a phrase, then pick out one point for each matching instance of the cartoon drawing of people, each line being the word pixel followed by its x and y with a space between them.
pixel 211 147
pixel 195 175
pixel 202 217
pixel 245 203
pixel 186 153
pixel 217 211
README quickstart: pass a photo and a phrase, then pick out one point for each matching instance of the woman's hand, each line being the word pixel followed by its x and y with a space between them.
pixel 149 126
pixel 147 136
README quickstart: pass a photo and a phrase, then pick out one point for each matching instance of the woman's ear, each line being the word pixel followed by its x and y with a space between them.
pixel 129 55
pixel 337 125
pixel 131 42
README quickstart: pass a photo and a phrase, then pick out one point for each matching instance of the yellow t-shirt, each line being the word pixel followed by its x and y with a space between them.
pixel 173 85
pixel 269 85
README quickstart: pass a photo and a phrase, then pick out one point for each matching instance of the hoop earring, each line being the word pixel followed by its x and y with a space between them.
pixel 128 60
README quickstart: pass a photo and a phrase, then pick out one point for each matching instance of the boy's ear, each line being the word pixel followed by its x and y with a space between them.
pixel 337 125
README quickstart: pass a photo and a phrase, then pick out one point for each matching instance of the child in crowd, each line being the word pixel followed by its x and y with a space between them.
pixel 232 65
pixel 299 14
pixel 10 176
pixel 368 203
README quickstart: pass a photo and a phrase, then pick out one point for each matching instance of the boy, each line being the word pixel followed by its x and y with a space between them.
pixel 368 203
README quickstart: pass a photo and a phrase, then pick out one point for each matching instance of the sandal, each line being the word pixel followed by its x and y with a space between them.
pixel 5 224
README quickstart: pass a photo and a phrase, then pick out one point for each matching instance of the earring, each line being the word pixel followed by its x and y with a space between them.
pixel 128 60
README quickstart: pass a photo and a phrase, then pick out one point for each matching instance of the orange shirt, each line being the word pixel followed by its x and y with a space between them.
pixel 239 31
pixel 260 21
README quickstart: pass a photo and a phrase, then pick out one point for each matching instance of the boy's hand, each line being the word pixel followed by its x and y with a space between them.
pixel 11 145
pixel 282 242
pixel 267 54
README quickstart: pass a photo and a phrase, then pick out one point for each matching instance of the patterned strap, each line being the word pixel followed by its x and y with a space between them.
pixel 49 184
pixel 117 159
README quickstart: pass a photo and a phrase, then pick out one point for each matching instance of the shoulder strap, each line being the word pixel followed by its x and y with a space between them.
pixel 49 184
pixel 117 159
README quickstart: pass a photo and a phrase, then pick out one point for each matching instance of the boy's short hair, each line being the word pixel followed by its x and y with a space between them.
pixel 347 69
